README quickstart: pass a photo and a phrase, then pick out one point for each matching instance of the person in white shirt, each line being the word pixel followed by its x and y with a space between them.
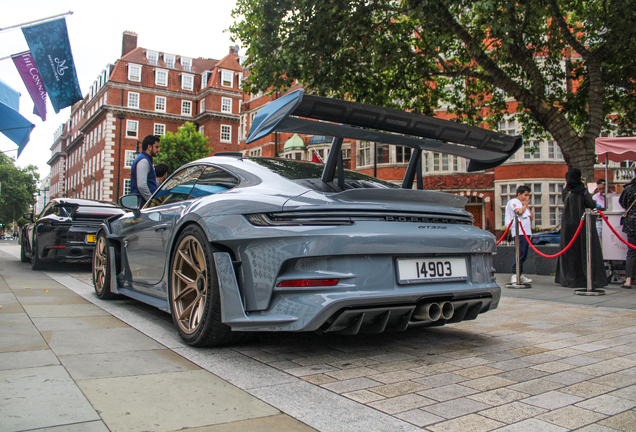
pixel 519 206
pixel 599 199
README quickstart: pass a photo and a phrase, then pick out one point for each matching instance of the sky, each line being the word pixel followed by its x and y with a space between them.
pixel 196 29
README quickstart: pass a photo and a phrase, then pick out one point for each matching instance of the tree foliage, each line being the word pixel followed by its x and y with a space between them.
pixel 17 187
pixel 185 146
pixel 568 64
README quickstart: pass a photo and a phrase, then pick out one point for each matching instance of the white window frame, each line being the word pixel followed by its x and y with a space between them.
pixel 204 80
pixel 187 82
pixel 153 57
pixel 133 100
pixel 226 104
pixel 158 73
pixel 134 128
pixel 132 68
pixel 202 130
pixel 226 130
pixel 161 131
pixel 202 106
pixel 157 104
pixel 186 107
pixel 129 158
pixel 170 60
pixel 186 63
pixel 227 76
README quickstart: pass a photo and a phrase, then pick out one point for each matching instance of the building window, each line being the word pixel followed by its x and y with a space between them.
pixel 554 151
pixel 152 57
pixel 126 186
pixel 535 205
pixel 509 127
pixel 364 154
pixel 160 103
pixel 133 100
pixel 202 130
pixel 226 78
pixel 508 192
pixel 444 162
pixel 382 152
pixel 186 63
pixel 436 161
pixel 129 158
pixel 226 133
pixel 226 104
pixel 161 77
pixel 186 107
pixel 187 82
pixel 204 80
pixel 132 126
pixel 134 72
pixel 402 154
pixel 202 105
pixel 169 58
pixel 555 202
pixel 532 150
pixel 456 163
pixel 160 129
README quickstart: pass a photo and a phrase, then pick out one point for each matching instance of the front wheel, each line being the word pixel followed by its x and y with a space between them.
pixel 101 269
pixel 195 301
pixel 23 256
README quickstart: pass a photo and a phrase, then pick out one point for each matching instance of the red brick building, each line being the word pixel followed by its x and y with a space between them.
pixel 144 92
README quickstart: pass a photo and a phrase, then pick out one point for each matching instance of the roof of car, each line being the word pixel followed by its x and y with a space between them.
pixel 84 202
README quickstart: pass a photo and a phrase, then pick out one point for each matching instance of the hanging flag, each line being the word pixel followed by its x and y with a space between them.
pixel 315 158
pixel 51 51
pixel 33 81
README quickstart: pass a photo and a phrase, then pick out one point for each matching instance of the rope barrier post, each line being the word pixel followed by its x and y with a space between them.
pixel 517 284
pixel 588 248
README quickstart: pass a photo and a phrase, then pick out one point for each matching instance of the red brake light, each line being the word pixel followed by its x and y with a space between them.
pixel 296 283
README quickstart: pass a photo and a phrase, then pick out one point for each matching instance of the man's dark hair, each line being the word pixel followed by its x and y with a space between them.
pixel 522 189
pixel 161 169
pixel 600 181
pixel 148 141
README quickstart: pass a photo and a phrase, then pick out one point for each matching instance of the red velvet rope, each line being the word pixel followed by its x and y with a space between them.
pixel 614 231
pixel 504 234
pixel 576 234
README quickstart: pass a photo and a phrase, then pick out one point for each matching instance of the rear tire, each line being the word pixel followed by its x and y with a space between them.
pixel 36 262
pixel 101 269
pixel 195 301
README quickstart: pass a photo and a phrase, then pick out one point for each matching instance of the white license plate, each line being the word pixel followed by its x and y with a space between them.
pixel 432 269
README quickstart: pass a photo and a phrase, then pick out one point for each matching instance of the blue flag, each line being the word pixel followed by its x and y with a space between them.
pixel 52 54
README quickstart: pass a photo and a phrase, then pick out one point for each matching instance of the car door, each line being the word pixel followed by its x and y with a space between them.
pixel 146 239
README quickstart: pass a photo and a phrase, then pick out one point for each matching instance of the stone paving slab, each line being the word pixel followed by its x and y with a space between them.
pixel 529 365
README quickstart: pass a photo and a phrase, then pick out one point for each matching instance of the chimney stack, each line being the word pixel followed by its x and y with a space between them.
pixel 234 50
pixel 128 43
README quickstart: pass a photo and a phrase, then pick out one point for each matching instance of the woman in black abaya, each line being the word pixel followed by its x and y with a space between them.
pixel 571 270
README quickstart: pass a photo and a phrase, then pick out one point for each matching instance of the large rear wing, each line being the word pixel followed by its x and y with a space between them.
pixel 297 112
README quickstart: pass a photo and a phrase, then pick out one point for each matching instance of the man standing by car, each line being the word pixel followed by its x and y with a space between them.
pixel 143 179
pixel 519 206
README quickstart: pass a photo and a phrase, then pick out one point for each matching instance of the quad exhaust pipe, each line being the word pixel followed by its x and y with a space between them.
pixel 434 311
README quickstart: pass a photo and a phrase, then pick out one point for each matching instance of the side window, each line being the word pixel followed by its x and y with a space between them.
pixel 177 188
pixel 49 209
pixel 213 181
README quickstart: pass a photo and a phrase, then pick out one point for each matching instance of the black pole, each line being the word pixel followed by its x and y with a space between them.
pixel 121 118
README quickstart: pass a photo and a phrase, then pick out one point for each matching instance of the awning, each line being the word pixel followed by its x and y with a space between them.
pixel 616 149
pixel 12 124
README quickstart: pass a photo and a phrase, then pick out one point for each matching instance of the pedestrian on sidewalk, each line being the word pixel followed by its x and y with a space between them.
pixel 571 269
pixel 519 206
pixel 143 179
pixel 627 200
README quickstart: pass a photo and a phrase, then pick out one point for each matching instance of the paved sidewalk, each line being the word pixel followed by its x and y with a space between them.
pixel 67 358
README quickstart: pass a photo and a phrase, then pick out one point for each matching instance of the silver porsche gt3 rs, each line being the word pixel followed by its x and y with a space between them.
pixel 230 244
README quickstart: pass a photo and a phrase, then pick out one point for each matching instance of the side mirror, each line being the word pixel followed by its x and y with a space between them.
pixel 131 202
pixel 28 216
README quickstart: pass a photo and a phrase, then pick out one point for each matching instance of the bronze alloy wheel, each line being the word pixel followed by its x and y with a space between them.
pixel 100 264
pixel 189 294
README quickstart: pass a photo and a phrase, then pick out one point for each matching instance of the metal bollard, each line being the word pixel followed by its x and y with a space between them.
pixel 588 249
pixel 518 284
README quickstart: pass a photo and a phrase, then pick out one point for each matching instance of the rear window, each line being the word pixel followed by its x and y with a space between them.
pixel 300 170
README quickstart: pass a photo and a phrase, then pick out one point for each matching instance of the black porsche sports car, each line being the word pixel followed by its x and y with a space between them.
pixel 64 231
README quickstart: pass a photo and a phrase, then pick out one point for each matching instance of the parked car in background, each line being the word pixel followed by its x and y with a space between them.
pixel 230 243
pixel 547 237
pixel 64 231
